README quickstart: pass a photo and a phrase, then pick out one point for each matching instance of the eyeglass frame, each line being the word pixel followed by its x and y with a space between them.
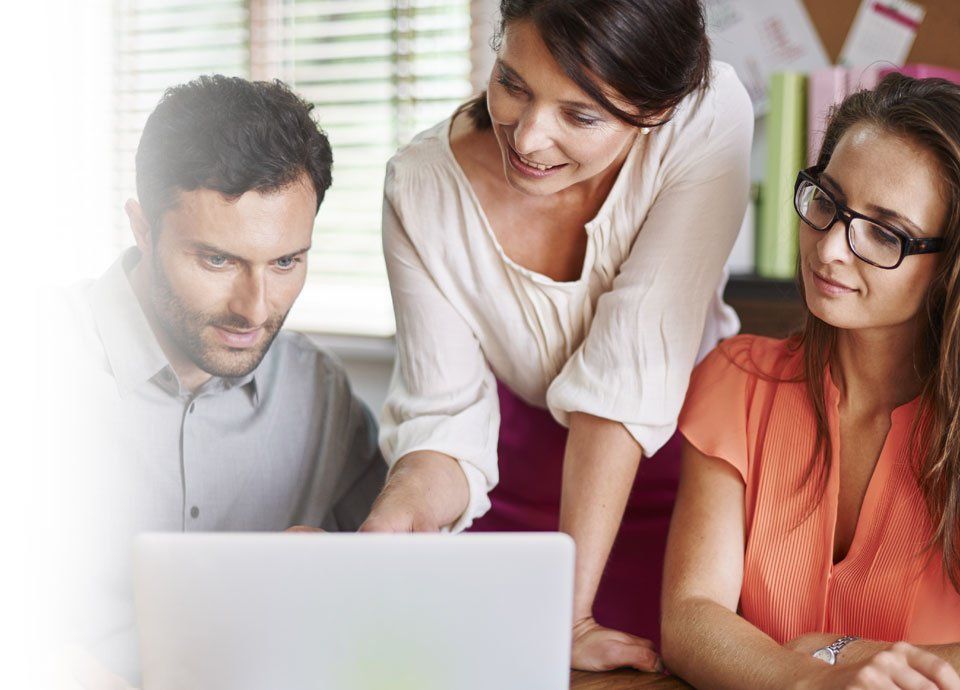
pixel 908 245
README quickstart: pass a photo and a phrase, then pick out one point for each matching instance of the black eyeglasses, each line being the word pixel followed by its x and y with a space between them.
pixel 873 241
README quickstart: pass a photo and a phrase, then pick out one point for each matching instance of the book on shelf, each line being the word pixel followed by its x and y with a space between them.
pixel 827 88
pixel 786 154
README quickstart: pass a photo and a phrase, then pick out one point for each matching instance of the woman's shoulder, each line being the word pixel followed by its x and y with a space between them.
pixel 727 93
pixel 723 388
pixel 749 357
pixel 422 167
pixel 724 100
pixel 724 106
pixel 705 129
pixel 720 401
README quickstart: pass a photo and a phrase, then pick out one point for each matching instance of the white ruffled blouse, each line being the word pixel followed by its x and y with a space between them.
pixel 619 342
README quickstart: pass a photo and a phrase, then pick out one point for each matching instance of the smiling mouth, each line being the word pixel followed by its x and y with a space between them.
pixel 531 167
pixel 533 163
pixel 832 284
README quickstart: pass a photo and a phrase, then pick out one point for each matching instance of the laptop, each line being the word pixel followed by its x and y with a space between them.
pixel 270 611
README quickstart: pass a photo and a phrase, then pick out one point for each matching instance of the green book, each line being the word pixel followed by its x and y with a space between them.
pixel 786 154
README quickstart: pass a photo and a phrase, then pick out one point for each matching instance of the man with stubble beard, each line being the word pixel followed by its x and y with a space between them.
pixel 205 416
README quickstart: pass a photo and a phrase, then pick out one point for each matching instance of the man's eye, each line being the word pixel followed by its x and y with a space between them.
pixel 287 263
pixel 216 260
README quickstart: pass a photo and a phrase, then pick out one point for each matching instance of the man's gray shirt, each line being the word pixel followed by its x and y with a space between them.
pixel 288 444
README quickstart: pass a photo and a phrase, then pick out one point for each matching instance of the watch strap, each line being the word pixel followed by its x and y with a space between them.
pixel 841 643
pixel 829 653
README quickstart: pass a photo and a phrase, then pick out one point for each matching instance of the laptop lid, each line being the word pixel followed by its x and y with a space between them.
pixel 354 611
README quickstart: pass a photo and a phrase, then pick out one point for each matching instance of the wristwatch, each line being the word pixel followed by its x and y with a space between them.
pixel 830 652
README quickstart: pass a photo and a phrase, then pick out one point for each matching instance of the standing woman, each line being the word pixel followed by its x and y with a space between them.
pixel 555 252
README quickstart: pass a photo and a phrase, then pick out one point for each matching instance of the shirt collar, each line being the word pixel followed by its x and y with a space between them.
pixel 131 347
pixel 218 385
pixel 130 344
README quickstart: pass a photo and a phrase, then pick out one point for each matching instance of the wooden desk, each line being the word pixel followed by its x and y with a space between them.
pixel 624 680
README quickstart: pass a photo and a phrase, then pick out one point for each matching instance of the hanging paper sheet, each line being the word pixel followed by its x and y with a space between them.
pixel 882 31
pixel 762 37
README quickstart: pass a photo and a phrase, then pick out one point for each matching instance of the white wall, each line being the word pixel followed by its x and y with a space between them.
pixel 55 128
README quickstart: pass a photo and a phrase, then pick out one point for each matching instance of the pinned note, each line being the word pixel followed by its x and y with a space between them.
pixel 882 31
pixel 761 37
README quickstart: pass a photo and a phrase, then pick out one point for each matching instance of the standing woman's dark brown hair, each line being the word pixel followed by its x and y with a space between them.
pixel 925 112
pixel 649 53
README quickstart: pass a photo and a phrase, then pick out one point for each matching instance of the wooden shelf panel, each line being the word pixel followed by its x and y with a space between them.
pixel 765 306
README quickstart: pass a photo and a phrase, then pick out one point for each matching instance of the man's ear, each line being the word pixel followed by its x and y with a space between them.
pixel 140 226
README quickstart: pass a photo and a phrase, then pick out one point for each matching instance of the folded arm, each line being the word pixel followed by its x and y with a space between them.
pixel 707 643
pixel 864 649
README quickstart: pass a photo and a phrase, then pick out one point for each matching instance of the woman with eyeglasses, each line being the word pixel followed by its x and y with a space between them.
pixel 816 537
pixel 555 251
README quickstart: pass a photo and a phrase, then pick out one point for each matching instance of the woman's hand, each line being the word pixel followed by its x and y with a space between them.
pixel 426 492
pixel 596 648
pixel 901 667
pixel 401 507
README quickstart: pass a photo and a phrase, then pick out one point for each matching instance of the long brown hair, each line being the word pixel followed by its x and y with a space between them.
pixel 925 112
pixel 652 53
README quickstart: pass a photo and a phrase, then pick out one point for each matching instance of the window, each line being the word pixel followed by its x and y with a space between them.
pixel 160 43
pixel 379 71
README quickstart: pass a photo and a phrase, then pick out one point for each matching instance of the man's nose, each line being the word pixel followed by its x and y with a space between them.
pixel 249 298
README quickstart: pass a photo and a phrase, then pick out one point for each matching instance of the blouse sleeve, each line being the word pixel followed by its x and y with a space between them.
pixel 714 415
pixel 635 362
pixel 442 396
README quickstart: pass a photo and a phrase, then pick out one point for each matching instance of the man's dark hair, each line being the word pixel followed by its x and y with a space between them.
pixel 230 135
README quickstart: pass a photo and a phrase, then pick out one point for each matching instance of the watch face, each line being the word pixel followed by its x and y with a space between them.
pixel 826 655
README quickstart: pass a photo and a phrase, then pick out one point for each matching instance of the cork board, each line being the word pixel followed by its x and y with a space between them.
pixel 938 38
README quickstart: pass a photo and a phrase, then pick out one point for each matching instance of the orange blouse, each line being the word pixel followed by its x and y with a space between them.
pixel 887 587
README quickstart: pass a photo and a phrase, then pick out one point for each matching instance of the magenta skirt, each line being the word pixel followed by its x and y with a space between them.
pixel 528 499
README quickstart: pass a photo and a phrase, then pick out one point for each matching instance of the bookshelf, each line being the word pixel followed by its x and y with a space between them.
pixel 765 306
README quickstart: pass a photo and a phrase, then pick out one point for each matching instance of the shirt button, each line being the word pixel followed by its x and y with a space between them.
pixel 195 512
